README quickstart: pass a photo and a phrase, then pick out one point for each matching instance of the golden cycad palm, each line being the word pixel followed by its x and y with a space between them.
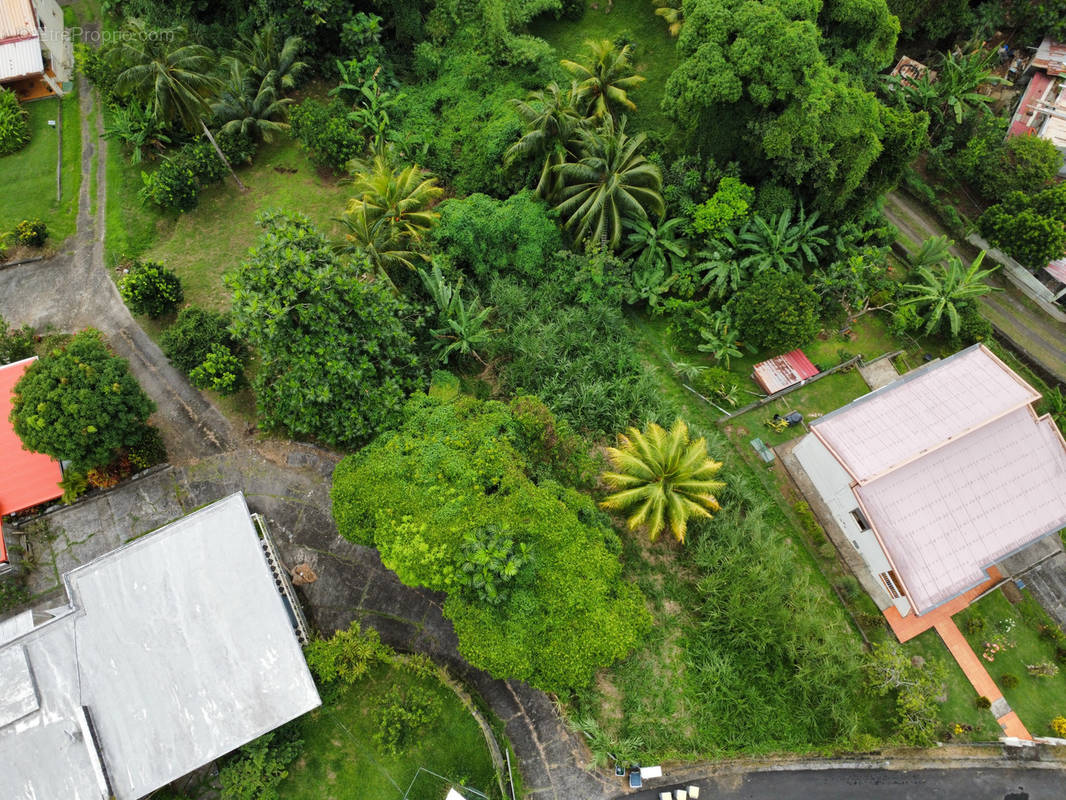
pixel 663 478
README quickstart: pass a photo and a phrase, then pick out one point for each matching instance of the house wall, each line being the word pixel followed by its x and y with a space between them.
pixel 833 485
pixel 54 43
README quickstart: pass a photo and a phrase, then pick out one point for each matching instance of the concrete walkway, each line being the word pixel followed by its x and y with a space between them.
pixel 979 678
pixel 72 290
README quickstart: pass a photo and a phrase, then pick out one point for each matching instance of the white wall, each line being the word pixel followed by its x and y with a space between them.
pixel 55 44
pixel 834 487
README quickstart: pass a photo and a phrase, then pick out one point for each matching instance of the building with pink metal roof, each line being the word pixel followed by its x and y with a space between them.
pixel 940 475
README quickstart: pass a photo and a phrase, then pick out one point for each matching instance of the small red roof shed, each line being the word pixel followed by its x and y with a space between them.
pixel 781 372
pixel 26 479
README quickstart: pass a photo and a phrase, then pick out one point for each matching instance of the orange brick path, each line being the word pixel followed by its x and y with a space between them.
pixel 912 625
pixel 977 675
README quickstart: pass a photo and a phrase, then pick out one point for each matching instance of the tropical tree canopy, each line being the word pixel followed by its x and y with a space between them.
pixel 173 76
pixel 552 121
pixel 611 185
pixel 664 477
pixel 604 80
pixel 942 293
pixel 402 197
pixel 251 107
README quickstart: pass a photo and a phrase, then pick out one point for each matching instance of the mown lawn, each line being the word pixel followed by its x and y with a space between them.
pixel 631 21
pixel 1037 700
pixel 203 244
pixel 28 177
pixel 341 761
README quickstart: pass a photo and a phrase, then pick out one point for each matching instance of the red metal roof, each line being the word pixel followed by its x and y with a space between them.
pixel 783 371
pixel 1051 56
pixel 26 479
pixel 1022 122
pixel 1057 270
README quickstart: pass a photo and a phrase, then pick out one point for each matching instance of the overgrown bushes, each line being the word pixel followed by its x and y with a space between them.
pixel 14 123
pixel 776 311
pixel 177 181
pixel 1030 228
pixel 326 132
pixel 455 468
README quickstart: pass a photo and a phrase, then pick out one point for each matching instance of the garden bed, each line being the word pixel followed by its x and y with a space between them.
pixel 1016 628
pixel 340 758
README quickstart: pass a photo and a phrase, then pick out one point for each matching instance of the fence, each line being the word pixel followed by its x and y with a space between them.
pixel 851 362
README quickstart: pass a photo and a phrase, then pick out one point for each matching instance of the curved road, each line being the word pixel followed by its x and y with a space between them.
pixel 879 784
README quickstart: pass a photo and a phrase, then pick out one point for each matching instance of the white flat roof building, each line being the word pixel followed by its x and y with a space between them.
pixel 175 649
pixel 948 470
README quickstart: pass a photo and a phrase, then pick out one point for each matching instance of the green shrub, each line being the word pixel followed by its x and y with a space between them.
pixel 973 326
pixel 256 770
pixel 403 713
pixel 12 594
pixel 1008 681
pixel 326 132
pixel 975 624
pixel 221 371
pixel 1030 228
pixel 997 167
pixel 776 312
pixel 31 233
pixel 982 702
pixel 347 656
pixel 149 450
pixel 16 343
pixel 14 123
pixel 151 289
pixel 194 334
pixel 79 403
pixel 173 185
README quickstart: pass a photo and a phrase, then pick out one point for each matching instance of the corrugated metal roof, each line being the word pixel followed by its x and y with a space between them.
pixel 184 652
pixel 783 371
pixel 1051 56
pixel 20 58
pixel 927 409
pixel 26 478
pixel 17 20
pixel 1057 270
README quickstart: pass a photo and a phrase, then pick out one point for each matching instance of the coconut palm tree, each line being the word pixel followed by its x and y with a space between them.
pixel 944 290
pixel 402 197
pixel 173 77
pixel 673 13
pixel 932 251
pixel 552 122
pixel 251 106
pixel 264 52
pixel 604 80
pixel 610 186
pixel 664 477
pixel 371 236
pixel 782 244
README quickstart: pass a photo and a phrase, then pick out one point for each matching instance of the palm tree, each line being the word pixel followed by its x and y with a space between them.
pixel 137 128
pixel 403 198
pixel 552 121
pixel 657 247
pixel 174 78
pixel 782 244
pixel 251 107
pixel 463 328
pixel 371 236
pixel 944 291
pixel 610 186
pixel 668 478
pixel 262 53
pixel 605 79
pixel 673 13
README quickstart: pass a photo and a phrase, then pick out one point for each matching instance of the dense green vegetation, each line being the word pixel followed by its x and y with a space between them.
pixel 578 210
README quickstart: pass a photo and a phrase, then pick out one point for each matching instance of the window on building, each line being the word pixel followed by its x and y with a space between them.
pixel 891 583
pixel 860 518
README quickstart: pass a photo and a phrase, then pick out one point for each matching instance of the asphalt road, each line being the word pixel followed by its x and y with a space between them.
pixel 877 784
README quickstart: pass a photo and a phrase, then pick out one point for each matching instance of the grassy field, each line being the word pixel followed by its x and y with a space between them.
pixel 1037 700
pixel 631 21
pixel 28 177
pixel 341 761
pixel 203 244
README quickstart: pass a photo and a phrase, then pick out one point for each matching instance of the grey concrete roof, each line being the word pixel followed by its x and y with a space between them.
pixel 179 647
